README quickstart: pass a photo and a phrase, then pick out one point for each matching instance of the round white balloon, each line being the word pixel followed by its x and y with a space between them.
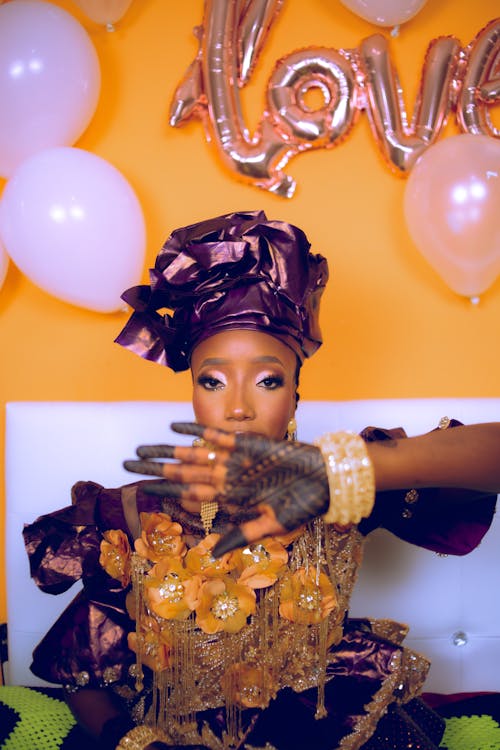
pixel 451 206
pixel 385 12
pixel 73 224
pixel 49 80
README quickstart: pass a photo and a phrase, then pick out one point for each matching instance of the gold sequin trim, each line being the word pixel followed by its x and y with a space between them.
pixel 82 679
pixel 411 497
pixel 139 737
pixel 110 675
pixel 409 673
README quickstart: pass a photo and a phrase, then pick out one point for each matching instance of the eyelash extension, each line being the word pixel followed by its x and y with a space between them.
pixel 211 384
pixel 277 381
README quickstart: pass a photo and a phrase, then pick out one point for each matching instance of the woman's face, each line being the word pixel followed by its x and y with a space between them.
pixel 244 381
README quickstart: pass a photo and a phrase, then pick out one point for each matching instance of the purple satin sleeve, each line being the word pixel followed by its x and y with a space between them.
pixel 89 640
pixel 446 520
pixel 63 546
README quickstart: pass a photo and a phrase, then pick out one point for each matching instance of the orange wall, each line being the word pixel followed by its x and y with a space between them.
pixel 391 325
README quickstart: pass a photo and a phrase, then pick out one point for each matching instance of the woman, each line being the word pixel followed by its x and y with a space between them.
pixel 252 648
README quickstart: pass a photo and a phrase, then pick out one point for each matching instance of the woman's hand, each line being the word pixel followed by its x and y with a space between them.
pixel 285 483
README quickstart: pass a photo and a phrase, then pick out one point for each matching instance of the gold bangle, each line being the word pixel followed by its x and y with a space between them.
pixel 140 737
pixel 350 477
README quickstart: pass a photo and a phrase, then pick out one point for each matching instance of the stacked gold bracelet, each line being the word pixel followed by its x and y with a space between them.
pixel 140 737
pixel 350 477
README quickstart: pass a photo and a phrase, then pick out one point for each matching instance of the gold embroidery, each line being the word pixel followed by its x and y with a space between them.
pixel 215 655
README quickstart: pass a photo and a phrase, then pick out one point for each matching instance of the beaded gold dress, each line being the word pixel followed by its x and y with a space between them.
pixel 254 651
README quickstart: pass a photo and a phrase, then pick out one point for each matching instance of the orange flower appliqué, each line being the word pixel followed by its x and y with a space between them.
pixel 304 599
pixel 248 685
pixel 260 564
pixel 160 537
pixel 116 555
pixel 170 591
pixel 224 605
pixel 199 559
pixel 155 645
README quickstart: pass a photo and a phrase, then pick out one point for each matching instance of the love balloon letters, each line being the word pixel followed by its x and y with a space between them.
pixel 463 79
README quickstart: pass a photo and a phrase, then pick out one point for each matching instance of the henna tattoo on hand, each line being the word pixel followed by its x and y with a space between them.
pixel 289 477
pixel 155 451
pixel 144 467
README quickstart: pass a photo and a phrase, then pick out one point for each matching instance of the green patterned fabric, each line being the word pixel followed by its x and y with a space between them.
pixel 38 719
pixel 33 719
pixel 472 720
pixel 471 733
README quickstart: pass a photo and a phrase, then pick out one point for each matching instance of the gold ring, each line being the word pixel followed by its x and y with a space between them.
pixel 211 458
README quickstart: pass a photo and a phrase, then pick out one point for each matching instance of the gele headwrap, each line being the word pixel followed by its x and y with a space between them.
pixel 238 270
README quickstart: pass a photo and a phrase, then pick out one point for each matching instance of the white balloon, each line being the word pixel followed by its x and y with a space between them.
pixel 49 80
pixel 451 204
pixel 4 264
pixel 107 12
pixel 73 224
pixel 385 12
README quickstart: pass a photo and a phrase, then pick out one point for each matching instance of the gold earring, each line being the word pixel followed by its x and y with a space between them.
pixel 291 430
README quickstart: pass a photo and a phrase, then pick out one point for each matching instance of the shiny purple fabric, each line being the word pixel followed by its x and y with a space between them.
pixel 239 270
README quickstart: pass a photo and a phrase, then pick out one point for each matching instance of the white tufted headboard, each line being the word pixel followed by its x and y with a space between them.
pixel 452 604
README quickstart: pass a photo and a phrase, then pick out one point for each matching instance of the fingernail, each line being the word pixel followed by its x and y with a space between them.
pixel 230 541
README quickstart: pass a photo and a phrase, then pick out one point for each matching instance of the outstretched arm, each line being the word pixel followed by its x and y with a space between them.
pixel 467 456
pixel 287 483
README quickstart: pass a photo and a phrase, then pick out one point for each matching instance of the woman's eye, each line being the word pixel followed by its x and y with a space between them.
pixel 209 383
pixel 270 382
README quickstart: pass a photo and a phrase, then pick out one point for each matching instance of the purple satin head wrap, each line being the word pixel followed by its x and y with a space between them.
pixel 234 271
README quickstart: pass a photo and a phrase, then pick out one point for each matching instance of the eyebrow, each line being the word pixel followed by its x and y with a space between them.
pixel 268 358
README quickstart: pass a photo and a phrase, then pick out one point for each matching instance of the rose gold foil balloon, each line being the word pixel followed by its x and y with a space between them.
pixel 481 84
pixel 349 81
pixel 401 143
pixel 229 46
pixel 253 29
pixel 385 12
pixel 324 69
pixel 452 209
pixel 211 82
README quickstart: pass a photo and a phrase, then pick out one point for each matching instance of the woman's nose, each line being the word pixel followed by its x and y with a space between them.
pixel 239 407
